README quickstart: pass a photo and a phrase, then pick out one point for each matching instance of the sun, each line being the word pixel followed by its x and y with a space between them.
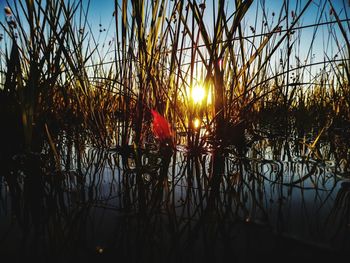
pixel 198 94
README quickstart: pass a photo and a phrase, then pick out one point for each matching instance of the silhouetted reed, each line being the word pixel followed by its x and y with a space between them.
pixel 122 159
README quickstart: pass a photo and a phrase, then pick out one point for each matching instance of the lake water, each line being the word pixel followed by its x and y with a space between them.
pixel 278 201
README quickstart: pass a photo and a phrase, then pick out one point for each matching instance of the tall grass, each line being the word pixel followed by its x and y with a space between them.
pixel 59 76
pixel 65 89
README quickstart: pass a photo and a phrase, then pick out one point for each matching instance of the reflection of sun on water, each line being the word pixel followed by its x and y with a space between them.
pixel 196 123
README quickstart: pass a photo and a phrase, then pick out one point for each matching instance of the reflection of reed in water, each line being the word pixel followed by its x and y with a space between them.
pixel 338 221
pixel 166 204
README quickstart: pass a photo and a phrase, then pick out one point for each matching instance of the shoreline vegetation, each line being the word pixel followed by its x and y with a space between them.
pixel 180 129
pixel 56 76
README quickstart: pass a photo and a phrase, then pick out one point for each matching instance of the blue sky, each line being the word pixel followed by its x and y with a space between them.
pixel 101 10
pixel 101 13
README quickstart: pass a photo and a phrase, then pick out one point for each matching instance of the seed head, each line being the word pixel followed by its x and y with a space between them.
pixel 8 11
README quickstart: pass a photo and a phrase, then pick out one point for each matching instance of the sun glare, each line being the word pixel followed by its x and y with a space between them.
pixel 198 94
pixel 196 123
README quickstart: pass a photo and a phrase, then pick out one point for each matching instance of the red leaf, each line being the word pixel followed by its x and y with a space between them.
pixel 161 127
